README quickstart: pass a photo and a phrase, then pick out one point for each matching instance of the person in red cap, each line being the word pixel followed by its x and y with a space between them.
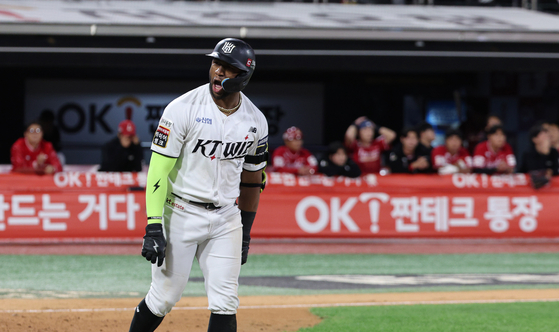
pixel 123 153
pixel 32 154
pixel 292 157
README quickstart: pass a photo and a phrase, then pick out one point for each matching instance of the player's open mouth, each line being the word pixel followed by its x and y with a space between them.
pixel 216 87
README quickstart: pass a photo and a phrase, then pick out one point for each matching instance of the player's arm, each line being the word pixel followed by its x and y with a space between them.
pixel 251 185
pixel 156 186
pixel 153 248
pixel 253 180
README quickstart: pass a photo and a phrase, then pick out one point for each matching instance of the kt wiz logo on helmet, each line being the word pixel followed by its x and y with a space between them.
pixel 228 47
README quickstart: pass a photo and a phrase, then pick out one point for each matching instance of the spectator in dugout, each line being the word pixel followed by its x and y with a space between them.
pixel 337 163
pixel 404 158
pixel 553 132
pixel 31 154
pixel 292 157
pixel 426 135
pixel 542 156
pixel 451 157
pixel 123 153
pixel 494 155
pixel 362 146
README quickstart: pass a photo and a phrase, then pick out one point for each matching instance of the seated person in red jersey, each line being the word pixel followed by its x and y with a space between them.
pixel 451 157
pixel 494 155
pixel 404 158
pixel 32 154
pixel 292 157
pixel 363 148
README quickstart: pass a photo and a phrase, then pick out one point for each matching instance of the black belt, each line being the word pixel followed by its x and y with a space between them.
pixel 207 206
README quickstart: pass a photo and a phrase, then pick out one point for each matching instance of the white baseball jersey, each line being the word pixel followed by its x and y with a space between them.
pixel 210 146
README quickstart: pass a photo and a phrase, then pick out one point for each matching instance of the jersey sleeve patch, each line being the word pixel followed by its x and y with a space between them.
pixel 161 136
pixel 166 123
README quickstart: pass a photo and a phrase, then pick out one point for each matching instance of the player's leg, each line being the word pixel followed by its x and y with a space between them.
pixel 169 280
pixel 222 323
pixel 144 320
pixel 220 261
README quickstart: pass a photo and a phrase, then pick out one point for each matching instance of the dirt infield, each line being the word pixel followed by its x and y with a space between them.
pixel 257 313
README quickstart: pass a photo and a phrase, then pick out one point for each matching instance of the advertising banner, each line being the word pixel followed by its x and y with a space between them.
pixel 406 206
pixel 78 216
pixel 81 206
pixel 88 112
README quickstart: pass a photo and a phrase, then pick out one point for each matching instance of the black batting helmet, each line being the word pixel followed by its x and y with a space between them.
pixel 240 55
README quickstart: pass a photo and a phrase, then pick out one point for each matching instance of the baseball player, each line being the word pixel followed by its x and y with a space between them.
pixel 209 150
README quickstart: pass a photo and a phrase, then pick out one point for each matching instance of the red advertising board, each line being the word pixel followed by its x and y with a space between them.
pixel 77 206
pixel 72 206
pixel 407 206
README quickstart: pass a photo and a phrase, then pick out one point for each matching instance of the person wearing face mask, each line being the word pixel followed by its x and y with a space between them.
pixel 337 163
pixel 123 153
pixel 32 154
pixel 494 155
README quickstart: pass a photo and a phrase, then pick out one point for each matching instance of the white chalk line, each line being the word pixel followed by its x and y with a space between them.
pixel 292 306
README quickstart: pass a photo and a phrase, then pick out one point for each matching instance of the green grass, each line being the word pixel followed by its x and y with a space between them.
pixel 109 276
pixel 286 265
pixel 498 317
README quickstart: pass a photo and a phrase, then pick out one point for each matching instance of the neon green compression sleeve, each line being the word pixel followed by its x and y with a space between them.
pixel 156 186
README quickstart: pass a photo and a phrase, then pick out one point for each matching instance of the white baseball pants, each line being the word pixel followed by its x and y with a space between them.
pixel 214 238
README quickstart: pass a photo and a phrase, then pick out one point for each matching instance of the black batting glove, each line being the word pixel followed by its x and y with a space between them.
pixel 244 253
pixel 153 248
pixel 247 218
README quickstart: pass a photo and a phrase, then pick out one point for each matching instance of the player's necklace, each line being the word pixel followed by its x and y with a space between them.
pixel 228 111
